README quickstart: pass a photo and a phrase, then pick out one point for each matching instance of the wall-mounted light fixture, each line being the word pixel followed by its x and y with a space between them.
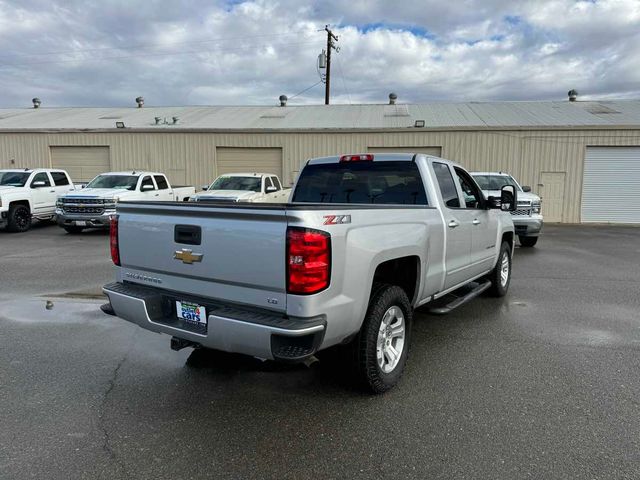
pixel 419 124
pixel 119 124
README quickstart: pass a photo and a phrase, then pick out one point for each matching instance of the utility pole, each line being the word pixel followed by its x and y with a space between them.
pixel 330 45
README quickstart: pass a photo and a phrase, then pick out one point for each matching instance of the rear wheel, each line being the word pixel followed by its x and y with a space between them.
pixel 19 218
pixel 72 229
pixel 528 241
pixel 501 275
pixel 382 346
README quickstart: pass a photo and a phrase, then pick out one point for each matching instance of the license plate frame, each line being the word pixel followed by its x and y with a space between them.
pixel 191 313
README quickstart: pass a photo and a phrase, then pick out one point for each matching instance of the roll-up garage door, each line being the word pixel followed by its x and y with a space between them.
pixel 611 185
pixel 82 163
pixel 241 160
pixel 435 151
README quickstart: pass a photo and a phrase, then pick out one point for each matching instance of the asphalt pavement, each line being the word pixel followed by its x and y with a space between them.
pixel 541 384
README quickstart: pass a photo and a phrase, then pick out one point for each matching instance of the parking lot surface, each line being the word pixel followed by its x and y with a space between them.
pixel 540 384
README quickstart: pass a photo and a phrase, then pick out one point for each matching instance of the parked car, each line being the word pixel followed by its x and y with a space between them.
pixel 527 217
pixel 365 240
pixel 27 194
pixel 244 187
pixel 92 206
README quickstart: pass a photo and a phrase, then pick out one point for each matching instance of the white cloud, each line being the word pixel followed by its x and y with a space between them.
pixel 204 52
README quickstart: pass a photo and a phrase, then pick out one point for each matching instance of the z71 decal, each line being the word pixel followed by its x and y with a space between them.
pixel 336 219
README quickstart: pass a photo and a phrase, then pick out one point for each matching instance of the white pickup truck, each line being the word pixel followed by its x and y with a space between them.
pixel 244 187
pixel 27 194
pixel 527 218
pixel 364 240
pixel 92 206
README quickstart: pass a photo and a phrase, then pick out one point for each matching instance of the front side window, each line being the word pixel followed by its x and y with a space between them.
pixel 14 179
pixel 127 182
pixel 276 183
pixel 249 184
pixel 472 196
pixel 391 183
pixel 147 181
pixel 41 177
pixel 60 179
pixel 447 185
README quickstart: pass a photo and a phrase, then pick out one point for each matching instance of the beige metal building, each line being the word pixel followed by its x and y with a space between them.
pixel 582 157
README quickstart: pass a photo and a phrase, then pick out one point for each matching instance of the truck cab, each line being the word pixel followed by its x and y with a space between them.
pixel 244 187
pixel 27 194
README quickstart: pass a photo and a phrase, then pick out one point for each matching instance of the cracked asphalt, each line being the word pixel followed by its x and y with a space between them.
pixel 541 384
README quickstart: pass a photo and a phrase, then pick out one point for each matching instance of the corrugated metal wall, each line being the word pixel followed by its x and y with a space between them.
pixel 190 157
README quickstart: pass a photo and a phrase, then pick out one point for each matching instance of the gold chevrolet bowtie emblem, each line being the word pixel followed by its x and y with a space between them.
pixel 187 256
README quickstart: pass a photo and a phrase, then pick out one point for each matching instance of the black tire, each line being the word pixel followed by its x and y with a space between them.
pixel 528 241
pixel 19 218
pixel 73 230
pixel 500 287
pixel 365 346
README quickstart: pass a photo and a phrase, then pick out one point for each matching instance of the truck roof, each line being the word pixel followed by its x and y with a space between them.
pixel 248 174
pixel 31 170
pixel 497 174
pixel 379 157
pixel 132 172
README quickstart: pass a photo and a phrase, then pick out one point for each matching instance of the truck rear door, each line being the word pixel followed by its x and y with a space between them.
pixel 233 254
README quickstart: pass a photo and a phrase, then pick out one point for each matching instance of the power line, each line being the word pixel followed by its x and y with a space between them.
pixel 306 89
pixel 344 83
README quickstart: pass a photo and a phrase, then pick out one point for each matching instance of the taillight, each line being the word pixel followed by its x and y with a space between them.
pixel 357 158
pixel 113 240
pixel 308 260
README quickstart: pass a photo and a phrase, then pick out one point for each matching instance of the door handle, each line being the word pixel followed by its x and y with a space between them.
pixel 476 221
pixel 52 191
pixel 157 194
pixel 453 224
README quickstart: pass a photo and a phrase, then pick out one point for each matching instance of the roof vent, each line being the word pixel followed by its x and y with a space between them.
pixel 36 102
pixel 140 101
pixel 283 100
pixel 392 98
pixel 573 95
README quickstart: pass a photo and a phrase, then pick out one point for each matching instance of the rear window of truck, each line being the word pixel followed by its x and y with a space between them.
pixel 391 183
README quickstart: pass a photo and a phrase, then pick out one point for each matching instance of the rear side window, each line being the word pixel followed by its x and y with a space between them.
pixel 60 178
pixel 447 185
pixel 161 182
pixel 392 183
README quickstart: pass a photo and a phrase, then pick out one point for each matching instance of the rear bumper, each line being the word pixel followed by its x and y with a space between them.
pixel 528 226
pixel 258 333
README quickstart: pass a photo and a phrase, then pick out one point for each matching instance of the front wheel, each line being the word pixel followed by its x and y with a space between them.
pixel 500 276
pixel 528 241
pixel 19 218
pixel 382 346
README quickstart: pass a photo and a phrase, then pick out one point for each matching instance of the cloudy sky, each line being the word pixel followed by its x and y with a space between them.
pixel 105 53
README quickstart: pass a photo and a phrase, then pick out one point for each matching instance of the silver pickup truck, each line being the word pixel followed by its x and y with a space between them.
pixel 364 240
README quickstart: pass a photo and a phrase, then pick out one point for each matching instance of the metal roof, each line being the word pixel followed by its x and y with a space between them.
pixel 541 114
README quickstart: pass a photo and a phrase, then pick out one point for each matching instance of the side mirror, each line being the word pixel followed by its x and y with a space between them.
pixel 271 189
pixel 146 188
pixel 38 184
pixel 526 188
pixel 508 198
pixel 205 187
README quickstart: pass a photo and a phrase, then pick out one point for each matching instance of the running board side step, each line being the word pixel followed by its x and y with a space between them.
pixel 457 301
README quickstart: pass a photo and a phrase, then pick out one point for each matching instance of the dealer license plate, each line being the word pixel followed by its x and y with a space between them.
pixel 81 223
pixel 192 313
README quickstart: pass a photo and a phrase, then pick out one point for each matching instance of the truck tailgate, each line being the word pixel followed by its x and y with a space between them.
pixel 231 254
